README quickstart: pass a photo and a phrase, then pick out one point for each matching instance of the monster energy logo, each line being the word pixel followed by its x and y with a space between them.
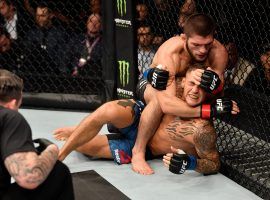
pixel 121 7
pixel 124 72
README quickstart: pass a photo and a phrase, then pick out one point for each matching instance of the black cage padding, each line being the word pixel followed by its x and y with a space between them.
pixel 62 101
pixel 108 59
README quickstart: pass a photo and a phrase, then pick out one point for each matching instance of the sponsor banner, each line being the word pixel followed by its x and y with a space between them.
pixel 123 16
pixel 121 7
pixel 126 52
pixel 124 79
pixel 124 72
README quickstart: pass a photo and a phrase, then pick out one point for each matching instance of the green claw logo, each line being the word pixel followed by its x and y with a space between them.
pixel 121 7
pixel 123 72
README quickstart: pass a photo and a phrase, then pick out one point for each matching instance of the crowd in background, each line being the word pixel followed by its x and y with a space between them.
pixel 249 61
pixel 54 37
pixel 64 37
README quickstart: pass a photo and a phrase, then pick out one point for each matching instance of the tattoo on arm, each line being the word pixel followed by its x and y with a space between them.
pixel 205 145
pixel 29 169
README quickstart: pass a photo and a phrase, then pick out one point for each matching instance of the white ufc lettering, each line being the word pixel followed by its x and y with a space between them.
pixel 219 105
pixel 154 79
pixel 117 156
pixel 213 84
pixel 183 168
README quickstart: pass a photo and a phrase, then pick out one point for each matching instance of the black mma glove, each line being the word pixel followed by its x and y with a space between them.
pixel 220 107
pixel 210 82
pixel 181 162
pixel 157 77
pixel 43 144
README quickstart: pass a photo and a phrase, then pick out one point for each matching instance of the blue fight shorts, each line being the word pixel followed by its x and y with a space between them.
pixel 121 144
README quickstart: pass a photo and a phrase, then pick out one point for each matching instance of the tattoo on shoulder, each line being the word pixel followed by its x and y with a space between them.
pixel 205 144
pixel 205 139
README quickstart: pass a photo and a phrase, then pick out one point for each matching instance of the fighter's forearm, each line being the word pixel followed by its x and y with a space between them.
pixel 84 132
pixel 174 106
pixel 74 141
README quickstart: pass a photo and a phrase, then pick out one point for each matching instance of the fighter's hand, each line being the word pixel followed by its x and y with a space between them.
pixel 211 82
pixel 196 76
pixel 221 107
pixel 178 161
pixel 168 156
pixel 157 77
pixel 235 108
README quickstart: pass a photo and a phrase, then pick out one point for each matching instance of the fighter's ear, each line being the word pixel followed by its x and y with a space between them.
pixel 184 36
pixel 183 82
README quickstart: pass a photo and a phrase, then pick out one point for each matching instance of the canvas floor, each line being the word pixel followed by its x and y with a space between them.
pixel 161 185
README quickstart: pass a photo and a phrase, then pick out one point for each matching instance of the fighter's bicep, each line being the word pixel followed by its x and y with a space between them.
pixel 219 62
pixel 205 142
pixel 167 62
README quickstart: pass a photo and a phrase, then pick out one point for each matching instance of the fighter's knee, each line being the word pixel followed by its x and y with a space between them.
pixel 108 109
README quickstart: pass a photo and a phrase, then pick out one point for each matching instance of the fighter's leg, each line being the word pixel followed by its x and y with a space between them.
pixel 150 119
pixel 97 147
pixel 119 113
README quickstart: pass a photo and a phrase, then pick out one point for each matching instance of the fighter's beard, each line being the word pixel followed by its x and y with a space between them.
pixel 193 59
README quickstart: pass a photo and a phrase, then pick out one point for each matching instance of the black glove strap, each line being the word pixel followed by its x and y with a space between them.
pixel 174 168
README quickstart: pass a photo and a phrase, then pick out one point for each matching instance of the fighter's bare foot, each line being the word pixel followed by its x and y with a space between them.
pixel 63 133
pixel 139 165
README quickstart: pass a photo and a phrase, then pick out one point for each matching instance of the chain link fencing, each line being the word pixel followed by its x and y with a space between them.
pixel 243 27
pixel 55 46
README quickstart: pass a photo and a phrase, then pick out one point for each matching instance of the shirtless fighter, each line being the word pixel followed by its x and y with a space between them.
pixel 196 137
pixel 196 45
